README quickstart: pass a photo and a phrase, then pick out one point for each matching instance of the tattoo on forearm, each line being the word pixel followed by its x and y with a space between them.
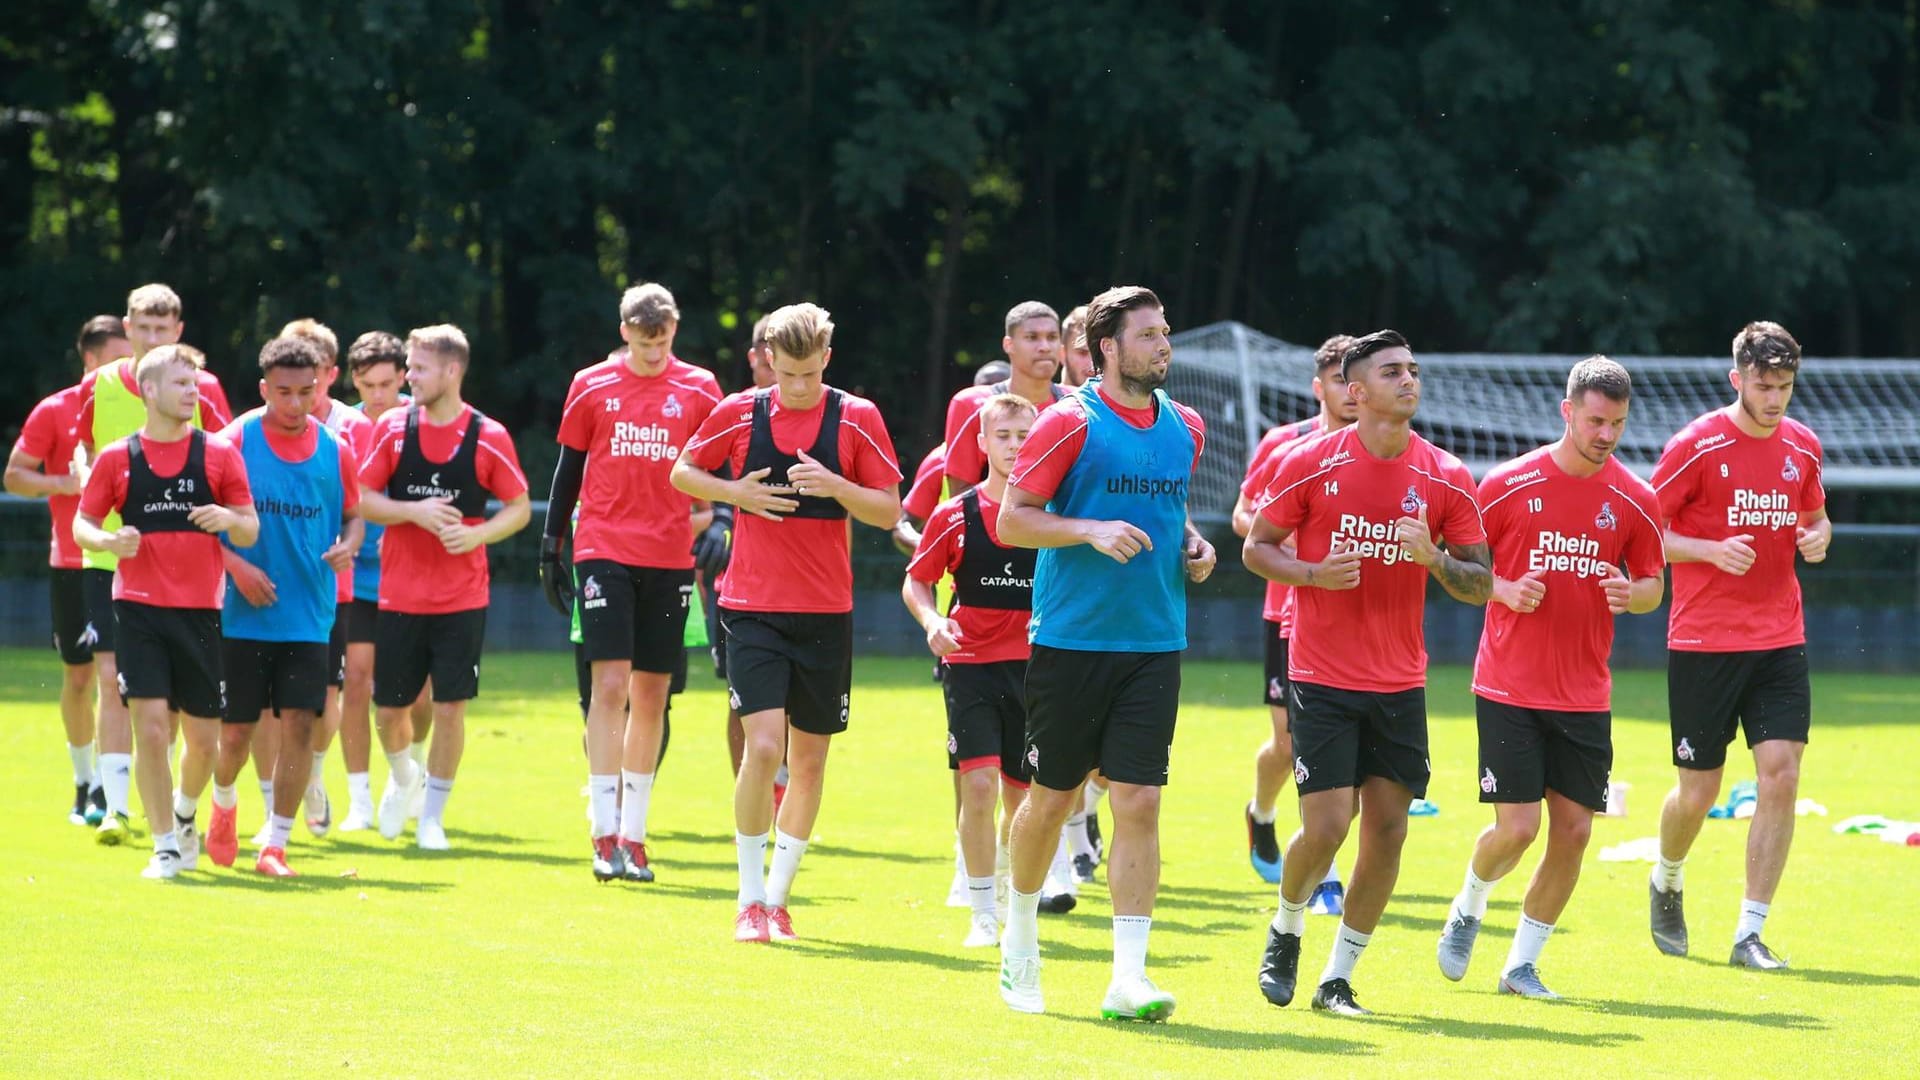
pixel 1466 572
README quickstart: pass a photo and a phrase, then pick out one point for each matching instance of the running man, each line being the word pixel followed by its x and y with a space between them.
pixel 622 429
pixel 807 456
pixel 42 467
pixel 170 488
pixel 1100 489
pixel 427 478
pixel 1032 345
pixel 1374 510
pixel 982 644
pixel 1740 490
pixel 1562 521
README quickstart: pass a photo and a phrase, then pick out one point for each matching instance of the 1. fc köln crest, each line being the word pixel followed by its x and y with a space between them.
pixel 1411 504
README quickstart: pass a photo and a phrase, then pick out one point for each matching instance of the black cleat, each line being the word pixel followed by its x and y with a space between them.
pixel 1751 952
pixel 97 805
pixel 1059 903
pixel 78 815
pixel 1280 967
pixel 1263 849
pixel 1669 920
pixel 1093 835
pixel 1336 996
pixel 1083 867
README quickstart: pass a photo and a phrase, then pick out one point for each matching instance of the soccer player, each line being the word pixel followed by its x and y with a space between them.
pixel 1077 365
pixel 982 643
pixel 42 467
pixel 112 407
pixel 279 623
pixel 621 431
pixel 930 476
pixel 427 478
pixel 1374 510
pixel 1740 489
pixel 1273 762
pixel 1100 489
pixel 1032 345
pixel 173 488
pixel 1562 521
pixel 807 456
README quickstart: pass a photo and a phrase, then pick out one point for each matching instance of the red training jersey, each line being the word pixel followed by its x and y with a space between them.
pixel 966 463
pixel 1716 481
pixel 1278 608
pixel 355 430
pixel 987 635
pixel 632 428
pixel 1576 530
pixel 49 437
pixel 795 564
pixel 1369 638
pixel 418 576
pixel 1059 435
pixel 215 413
pixel 172 569
pixel 928 480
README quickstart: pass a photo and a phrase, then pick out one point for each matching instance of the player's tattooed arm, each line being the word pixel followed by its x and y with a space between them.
pixel 1465 571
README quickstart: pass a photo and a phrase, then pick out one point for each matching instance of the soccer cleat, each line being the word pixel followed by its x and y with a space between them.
pixel 1525 981
pixel 430 835
pixel 1020 984
pixel 1136 998
pixel 273 863
pixel 985 931
pixel 1280 967
pixel 162 867
pixel 112 831
pixel 1083 867
pixel 1456 944
pixel 633 862
pixel 393 808
pixel 751 924
pixel 780 924
pixel 606 857
pixel 96 805
pixel 1093 836
pixel 359 818
pixel 319 810
pixel 189 838
pixel 78 815
pixel 223 838
pixel 1263 849
pixel 1336 996
pixel 1751 952
pixel 1669 920
pixel 957 892
pixel 1328 899
pixel 1055 899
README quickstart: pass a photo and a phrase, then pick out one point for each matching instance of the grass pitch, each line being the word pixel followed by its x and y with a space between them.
pixel 504 957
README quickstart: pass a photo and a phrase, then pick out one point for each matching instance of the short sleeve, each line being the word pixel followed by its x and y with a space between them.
pixel 376 468
pixel 1675 484
pixel 499 465
pixel 576 418
pixel 1285 501
pixel 230 486
pixel 213 401
pixel 1051 448
pixel 37 436
pixel 712 445
pixel 1645 551
pixel 939 550
pixel 106 484
pixel 874 463
pixel 1460 524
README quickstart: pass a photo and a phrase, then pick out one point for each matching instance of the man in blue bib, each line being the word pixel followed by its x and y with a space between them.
pixel 1101 489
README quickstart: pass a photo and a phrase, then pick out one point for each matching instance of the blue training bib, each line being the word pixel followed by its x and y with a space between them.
pixel 300 505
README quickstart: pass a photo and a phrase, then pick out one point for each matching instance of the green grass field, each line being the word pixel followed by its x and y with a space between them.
pixel 505 957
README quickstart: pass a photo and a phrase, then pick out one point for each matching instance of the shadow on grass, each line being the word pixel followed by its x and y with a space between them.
pixel 1395 916
pixel 829 850
pixel 1444 902
pixel 1177 1030
pixel 894 954
pixel 1647 1010
pixel 1212 929
pixel 1851 978
pixel 1491 1030
pixel 464 851
pixel 315 883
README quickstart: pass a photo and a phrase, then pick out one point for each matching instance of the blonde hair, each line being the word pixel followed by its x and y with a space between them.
pixel 1074 330
pixel 1005 405
pixel 155 299
pixel 800 329
pixel 445 339
pixel 649 306
pixel 153 366
pixel 320 335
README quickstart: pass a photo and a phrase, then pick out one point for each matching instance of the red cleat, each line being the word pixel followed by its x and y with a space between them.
pixel 273 863
pixel 751 924
pixel 780 924
pixel 779 796
pixel 223 836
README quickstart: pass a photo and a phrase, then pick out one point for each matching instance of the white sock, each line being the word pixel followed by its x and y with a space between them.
pixel 1333 873
pixel 1094 791
pixel 359 789
pixel 1077 837
pixel 1023 924
pixel 266 795
pixel 1528 939
pixel 1263 817
pixel 786 863
pixel 435 807
pixel 1753 919
pixel 1060 872
pixel 82 757
pixel 1291 918
pixel 166 841
pixel 1348 944
pixel 980 895
pixel 1668 874
pixel 278 829
pixel 603 798
pixel 225 798
pixel 1472 900
pixel 400 765
pixel 752 853
pixel 418 752
pixel 633 805
pixel 1130 945
pixel 116 776
pixel 317 777
pixel 184 808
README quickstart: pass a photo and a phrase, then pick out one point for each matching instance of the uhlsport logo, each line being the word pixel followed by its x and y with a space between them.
pixel 1488 783
pixel 671 406
pixel 1410 504
pixel 1606 520
pixel 1790 472
pixel 1684 751
pixel 1299 771
pixel 591 595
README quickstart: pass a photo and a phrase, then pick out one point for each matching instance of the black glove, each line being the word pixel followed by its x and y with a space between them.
pixel 556 577
pixel 713 548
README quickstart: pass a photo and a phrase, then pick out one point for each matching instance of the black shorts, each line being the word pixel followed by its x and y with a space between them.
pixel 633 613
pixel 987 716
pixel 798 661
pixel 74 636
pixel 1341 737
pixel 337 647
pixel 1525 752
pixel 271 676
pixel 363 621
pixel 583 677
pixel 1276 694
pixel 1113 711
pixel 409 648
pixel 173 654
pixel 98 587
pixel 1711 695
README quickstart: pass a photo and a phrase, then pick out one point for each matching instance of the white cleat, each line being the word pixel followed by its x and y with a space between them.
pixel 430 835
pixel 985 932
pixel 393 808
pixel 319 810
pixel 957 892
pixel 359 818
pixel 189 838
pixel 1020 983
pixel 1136 998
pixel 162 867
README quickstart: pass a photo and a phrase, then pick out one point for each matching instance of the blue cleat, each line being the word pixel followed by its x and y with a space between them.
pixel 1328 899
pixel 1263 850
